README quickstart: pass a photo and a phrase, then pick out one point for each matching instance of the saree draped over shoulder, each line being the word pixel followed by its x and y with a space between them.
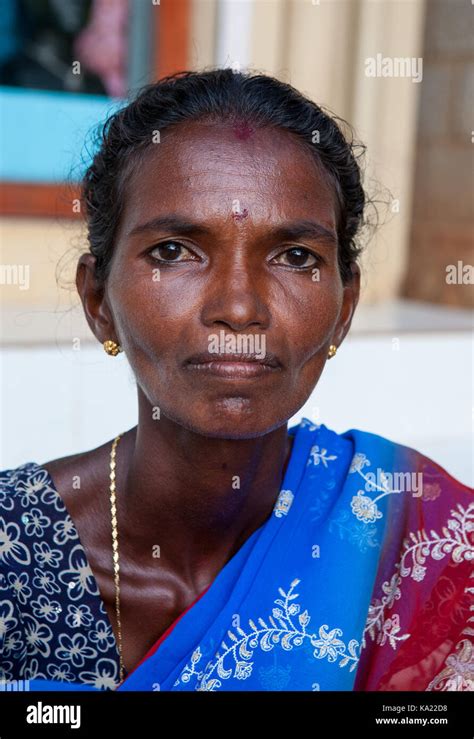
pixel 361 579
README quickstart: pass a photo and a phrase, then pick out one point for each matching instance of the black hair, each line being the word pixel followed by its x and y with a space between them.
pixel 218 95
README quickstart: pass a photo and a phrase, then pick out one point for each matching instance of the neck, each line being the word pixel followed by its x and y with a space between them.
pixel 197 498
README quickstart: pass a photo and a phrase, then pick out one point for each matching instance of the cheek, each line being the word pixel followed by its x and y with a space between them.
pixel 149 314
pixel 308 316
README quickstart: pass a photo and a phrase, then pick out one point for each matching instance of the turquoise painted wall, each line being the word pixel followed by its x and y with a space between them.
pixel 46 136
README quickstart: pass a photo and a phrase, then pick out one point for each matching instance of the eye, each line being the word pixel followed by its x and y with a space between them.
pixel 298 257
pixel 171 251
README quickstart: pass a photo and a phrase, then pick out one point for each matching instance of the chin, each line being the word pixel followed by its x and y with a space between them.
pixel 234 418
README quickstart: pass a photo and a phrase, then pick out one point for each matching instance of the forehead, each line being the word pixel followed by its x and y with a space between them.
pixel 203 168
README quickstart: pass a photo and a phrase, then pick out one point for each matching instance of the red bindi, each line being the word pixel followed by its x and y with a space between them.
pixel 243 130
pixel 240 215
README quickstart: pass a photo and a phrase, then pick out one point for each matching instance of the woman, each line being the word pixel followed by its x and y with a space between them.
pixel 211 547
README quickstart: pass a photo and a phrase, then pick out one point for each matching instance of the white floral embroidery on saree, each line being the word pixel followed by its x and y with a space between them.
pixel 283 503
pixel 459 671
pixel 418 548
pixel 363 506
pixel 281 632
pixel 318 456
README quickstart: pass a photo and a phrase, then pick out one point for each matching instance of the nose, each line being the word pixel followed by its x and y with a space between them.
pixel 236 298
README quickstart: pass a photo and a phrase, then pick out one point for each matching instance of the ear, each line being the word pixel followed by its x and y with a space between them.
pixel 349 304
pixel 94 300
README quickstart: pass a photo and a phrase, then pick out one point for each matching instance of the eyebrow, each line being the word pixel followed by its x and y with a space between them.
pixel 285 231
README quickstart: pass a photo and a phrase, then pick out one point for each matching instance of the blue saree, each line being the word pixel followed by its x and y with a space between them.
pixel 359 580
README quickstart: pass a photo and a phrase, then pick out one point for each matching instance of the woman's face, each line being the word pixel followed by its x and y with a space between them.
pixel 228 267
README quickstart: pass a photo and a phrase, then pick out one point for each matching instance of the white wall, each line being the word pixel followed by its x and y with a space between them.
pixel 420 394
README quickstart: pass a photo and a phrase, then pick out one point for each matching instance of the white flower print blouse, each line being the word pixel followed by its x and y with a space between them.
pixel 53 623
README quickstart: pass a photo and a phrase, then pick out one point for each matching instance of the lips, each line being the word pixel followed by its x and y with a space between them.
pixel 271 360
pixel 233 366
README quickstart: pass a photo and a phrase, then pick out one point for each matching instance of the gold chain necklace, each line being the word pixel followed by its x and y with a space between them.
pixel 113 513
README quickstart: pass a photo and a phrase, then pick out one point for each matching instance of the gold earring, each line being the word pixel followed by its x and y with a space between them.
pixel 112 348
pixel 332 351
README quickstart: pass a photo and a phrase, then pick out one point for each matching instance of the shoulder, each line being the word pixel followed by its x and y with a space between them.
pixel 417 497
pixel 376 466
pixel 29 508
pixel 34 528
pixel 399 458
pixel 22 485
pixel 87 471
pixel 9 477
pixel 75 469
